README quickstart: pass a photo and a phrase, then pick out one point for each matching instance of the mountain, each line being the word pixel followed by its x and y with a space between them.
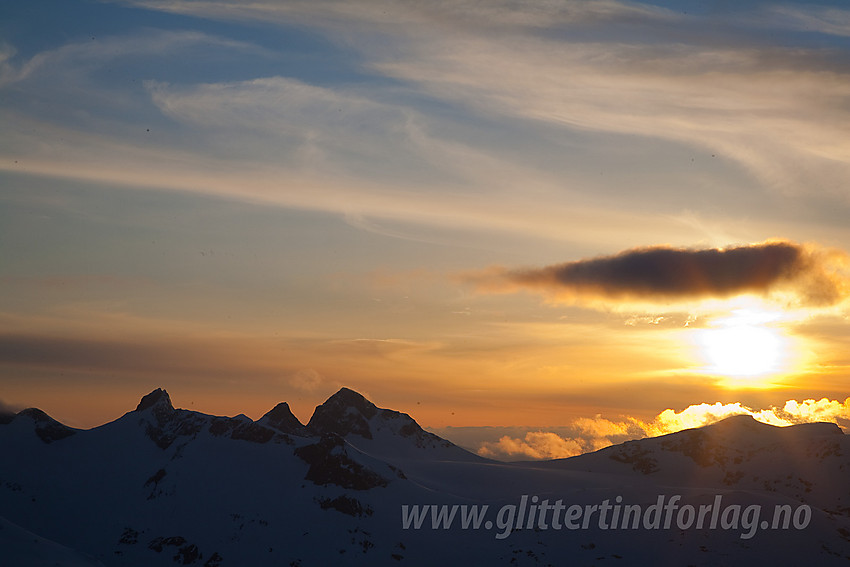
pixel 808 462
pixel 387 434
pixel 362 485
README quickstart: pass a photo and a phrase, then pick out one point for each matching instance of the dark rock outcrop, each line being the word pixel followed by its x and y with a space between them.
pixel 47 428
pixel 330 464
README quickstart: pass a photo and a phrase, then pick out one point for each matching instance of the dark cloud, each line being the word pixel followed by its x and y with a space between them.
pixel 665 274
pixel 205 358
pixel 74 353
pixel 7 408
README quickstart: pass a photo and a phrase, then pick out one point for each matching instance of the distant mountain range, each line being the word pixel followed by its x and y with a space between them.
pixel 361 485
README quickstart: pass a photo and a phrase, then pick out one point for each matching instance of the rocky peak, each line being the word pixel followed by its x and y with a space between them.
pixel 346 398
pixel 343 413
pixel 282 419
pixel 164 424
pixel 158 399
pixel 348 412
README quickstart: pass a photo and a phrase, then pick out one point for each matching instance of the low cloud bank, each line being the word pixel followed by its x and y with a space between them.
pixel 590 434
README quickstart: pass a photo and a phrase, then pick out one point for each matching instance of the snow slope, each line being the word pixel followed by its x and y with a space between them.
pixel 807 462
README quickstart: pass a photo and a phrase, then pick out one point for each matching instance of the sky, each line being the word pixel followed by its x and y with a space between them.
pixel 538 227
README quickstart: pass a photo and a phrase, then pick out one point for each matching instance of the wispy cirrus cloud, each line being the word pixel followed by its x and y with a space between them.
pixel 774 111
pixel 74 61
pixel 821 19
pixel 525 13
pixel 559 72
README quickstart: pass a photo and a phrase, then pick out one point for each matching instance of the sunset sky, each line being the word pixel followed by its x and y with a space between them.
pixel 538 227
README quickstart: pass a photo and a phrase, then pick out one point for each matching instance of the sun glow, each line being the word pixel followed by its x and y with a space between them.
pixel 748 346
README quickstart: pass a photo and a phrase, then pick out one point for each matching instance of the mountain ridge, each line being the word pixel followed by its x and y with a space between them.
pixel 160 486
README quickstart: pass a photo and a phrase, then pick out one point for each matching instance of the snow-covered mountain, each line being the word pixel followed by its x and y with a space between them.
pixel 808 462
pixel 166 486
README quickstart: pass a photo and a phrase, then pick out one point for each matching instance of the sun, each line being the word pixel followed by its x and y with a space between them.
pixel 744 346
pixel 742 350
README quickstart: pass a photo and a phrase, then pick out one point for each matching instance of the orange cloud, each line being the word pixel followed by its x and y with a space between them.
pixel 591 434
pixel 537 445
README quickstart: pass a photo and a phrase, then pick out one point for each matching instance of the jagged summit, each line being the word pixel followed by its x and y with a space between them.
pixel 343 413
pixel 159 398
pixel 282 419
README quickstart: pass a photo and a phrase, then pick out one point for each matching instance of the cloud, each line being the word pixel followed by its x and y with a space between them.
pixel 446 118
pixel 78 60
pixel 536 445
pixel 775 110
pixel 336 14
pixel 661 274
pixel 821 19
pixel 590 434
pixel 699 415
pixel 371 149
pixel 304 127
pixel 307 380
pixel 792 413
pixel 211 358
pixel 807 411
pixel 7 408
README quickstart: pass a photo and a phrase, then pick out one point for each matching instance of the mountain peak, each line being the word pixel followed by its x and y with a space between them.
pixel 345 412
pixel 741 418
pixel 742 421
pixel 47 428
pixel 737 426
pixel 159 398
pixel 386 431
pixel 281 418
pixel 349 398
